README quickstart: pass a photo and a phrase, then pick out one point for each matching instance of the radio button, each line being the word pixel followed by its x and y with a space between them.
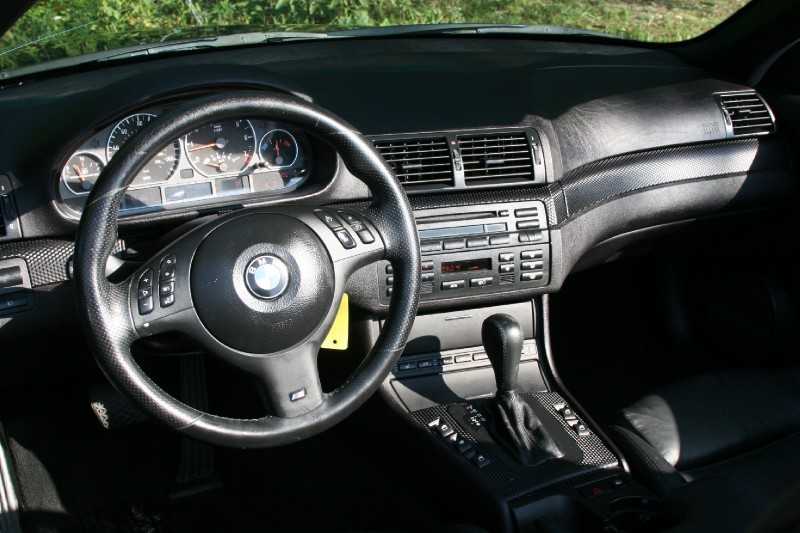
pixel 506 257
pixel 531 212
pixel 532 265
pixel 505 269
pixel 454 244
pixel 477 242
pixel 427 276
pixel 528 224
pixel 531 276
pixel 531 254
pixel 430 246
pixel 451 285
pixel 500 239
pixel 530 236
pixel 480 282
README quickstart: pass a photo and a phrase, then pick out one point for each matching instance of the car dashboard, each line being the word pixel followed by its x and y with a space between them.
pixel 524 160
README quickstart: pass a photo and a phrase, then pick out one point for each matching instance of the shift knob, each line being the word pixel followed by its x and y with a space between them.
pixel 502 339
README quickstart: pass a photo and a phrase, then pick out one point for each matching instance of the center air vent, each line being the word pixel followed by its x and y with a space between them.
pixel 746 114
pixel 418 161
pixel 496 156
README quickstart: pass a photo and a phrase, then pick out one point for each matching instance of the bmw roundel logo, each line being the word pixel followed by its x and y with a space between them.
pixel 267 277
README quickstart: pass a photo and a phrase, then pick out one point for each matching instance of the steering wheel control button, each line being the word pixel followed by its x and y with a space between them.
pixel 169 261
pixel 389 281
pixel 166 288
pixel 167 300
pixel 267 277
pixel 146 305
pixel 349 218
pixel 166 273
pixel 331 221
pixel 144 293
pixel 146 281
pixel 366 236
pixel 345 238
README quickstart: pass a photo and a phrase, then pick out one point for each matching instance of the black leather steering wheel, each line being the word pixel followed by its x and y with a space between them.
pixel 258 287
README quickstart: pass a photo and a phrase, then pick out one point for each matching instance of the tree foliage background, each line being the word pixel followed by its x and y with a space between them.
pixel 108 24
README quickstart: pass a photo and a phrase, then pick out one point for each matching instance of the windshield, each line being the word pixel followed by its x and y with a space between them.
pixel 55 29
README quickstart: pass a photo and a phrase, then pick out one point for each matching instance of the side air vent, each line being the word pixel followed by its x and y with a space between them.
pixel 418 161
pixel 746 114
pixel 496 156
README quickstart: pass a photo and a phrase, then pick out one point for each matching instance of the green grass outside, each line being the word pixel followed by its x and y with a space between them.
pixel 124 22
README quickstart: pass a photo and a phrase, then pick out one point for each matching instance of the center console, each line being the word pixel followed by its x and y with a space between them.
pixel 449 381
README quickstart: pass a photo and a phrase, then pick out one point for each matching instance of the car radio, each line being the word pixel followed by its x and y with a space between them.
pixel 479 249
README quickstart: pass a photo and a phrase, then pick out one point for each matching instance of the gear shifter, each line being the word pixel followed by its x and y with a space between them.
pixel 515 424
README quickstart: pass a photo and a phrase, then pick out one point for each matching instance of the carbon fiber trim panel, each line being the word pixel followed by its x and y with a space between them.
pixel 603 180
pixel 46 258
pixel 512 485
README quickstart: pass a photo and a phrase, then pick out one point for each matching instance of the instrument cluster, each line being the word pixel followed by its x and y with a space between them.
pixel 232 158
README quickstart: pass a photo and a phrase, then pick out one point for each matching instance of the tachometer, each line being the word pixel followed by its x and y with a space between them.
pixel 81 172
pixel 163 164
pixel 221 148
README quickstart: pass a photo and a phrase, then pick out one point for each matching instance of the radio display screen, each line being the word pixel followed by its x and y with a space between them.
pixel 471 265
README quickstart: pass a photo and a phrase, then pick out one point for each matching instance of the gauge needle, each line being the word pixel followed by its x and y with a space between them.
pixel 79 172
pixel 277 148
pixel 219 143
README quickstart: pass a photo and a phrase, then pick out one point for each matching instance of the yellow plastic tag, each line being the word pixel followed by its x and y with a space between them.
pixel 337 336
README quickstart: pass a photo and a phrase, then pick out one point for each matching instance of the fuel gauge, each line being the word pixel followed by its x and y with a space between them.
pixel 81 172
pixel 278 149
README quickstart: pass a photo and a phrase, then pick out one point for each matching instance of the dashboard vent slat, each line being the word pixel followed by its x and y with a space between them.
pixel 746 113
pixel 496 156
pixel 418 161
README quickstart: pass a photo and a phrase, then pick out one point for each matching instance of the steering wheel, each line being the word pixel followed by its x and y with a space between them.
pixel 258 287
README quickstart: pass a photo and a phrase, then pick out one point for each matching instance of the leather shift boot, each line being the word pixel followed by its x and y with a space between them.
pixel 516 426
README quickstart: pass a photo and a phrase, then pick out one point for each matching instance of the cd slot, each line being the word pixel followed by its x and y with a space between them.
pixel 455 217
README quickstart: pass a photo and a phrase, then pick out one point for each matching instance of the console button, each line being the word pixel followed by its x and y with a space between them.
pixel 481 461
pixel 427 276
pixel 480 282
pixel 568 414
pixel 531 254
pixel 507 268
pixel 506 257
pixel 406 366
pixel 528 224
pixel 500 239
pixel 444 430
pixel 464 358
pixel 594 490
pixel 13 300
pixel 531 276
pixel 434 246
pixel 581 430
pixel 617 483
pixel 345 238
pixel 328 219
pixel 460 443
pixel 493 228
pixel 427 265
pixel 530 212
pixel 443 361
pixel 146 305
pixel 532 265
pixel 454 244
pixel 480 356
pixel 426 363
pixel 451 285
pixel 477 242
pixel 530 236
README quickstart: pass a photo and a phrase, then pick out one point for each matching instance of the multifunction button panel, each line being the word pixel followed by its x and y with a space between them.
pixel 479 249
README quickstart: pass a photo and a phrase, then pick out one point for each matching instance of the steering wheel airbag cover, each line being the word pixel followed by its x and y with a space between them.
pixel 229 310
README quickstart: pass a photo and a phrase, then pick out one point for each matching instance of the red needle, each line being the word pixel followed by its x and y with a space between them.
pixel 277 148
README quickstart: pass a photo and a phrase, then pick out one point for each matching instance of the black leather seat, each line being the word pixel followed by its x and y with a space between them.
pixel 740 427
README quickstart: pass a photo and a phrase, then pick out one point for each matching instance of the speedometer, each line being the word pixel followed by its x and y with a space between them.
pixel 221 148
pixel 161 167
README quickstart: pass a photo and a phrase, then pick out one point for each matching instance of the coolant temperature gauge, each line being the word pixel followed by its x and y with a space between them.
pixel 278 149
pixel 81 172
